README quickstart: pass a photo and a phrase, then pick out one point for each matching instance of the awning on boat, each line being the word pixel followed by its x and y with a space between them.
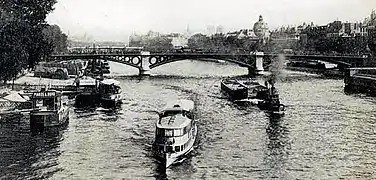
pixel 14 97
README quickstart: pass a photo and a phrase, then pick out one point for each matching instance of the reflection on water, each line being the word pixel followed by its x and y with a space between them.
pixel 325 133
pixel 27 155
pixel 276 155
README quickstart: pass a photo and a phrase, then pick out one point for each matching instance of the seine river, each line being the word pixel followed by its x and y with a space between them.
pixel 325 133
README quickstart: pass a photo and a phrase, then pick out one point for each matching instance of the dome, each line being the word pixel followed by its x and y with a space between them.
pixel 260 28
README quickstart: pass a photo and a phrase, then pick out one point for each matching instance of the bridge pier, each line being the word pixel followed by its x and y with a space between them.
pixel 258 68
pixel 259 63
pixel 144 70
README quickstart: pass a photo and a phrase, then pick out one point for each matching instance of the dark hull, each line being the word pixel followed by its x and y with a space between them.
pixel 234 90
pixel 272 109
pixel 86 101
pixel 38 125
pixel 110 104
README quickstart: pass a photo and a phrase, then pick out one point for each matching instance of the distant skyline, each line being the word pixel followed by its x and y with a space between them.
pixel 115 20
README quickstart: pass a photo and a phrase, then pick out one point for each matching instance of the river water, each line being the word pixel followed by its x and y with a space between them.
pixel 325 133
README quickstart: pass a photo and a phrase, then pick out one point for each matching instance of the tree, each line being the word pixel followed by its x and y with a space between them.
pixel 33 14
pixel 13 53
pixel 55 38
pixel 198 41
pixel 157 43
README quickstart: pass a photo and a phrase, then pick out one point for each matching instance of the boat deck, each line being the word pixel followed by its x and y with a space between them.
pixel 176 121
pixel 235 86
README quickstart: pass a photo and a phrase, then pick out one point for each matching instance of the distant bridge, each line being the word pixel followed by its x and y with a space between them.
pixel 255 62
pixel 157 59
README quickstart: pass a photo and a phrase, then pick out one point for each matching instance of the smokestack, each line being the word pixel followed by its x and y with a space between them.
pixel 276 69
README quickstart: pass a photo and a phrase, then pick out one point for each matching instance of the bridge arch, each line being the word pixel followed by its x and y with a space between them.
pixel 156 61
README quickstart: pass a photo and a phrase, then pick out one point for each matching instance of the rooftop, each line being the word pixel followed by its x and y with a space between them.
pixel 175 120
pixel 174 116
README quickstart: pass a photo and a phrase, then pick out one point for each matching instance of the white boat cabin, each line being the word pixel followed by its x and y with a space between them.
pixel 110 86
pixel 174 127
pixel 47 100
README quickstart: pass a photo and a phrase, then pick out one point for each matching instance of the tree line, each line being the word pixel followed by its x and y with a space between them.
pixel 153 44
pixel 25 36
pixel 318 41
pixel 222 43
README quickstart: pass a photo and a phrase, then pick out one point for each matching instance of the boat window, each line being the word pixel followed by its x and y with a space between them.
pixel 169 132
pixel 160 132
pixel 178 132
pixel 168 149
pixel 182 147
pixel 49 103
pixel 177 148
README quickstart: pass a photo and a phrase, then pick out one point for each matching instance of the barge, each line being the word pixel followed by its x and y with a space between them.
pixel 234 90
pixel 360 80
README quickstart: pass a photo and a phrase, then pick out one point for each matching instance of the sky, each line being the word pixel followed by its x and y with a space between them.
pixel 115 20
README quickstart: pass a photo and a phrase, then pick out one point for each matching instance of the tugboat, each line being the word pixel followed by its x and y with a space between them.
pixel 48 110
pixel 176 132
pixel 110 93
pixel 271 103
pixel 234 90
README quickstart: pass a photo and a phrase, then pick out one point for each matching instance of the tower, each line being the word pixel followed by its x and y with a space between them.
pixel 261 29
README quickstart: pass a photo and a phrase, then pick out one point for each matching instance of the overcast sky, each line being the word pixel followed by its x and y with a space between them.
pixel 116 19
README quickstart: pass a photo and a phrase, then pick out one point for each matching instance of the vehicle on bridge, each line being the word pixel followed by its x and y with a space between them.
pixel 176 132
pixel 105 50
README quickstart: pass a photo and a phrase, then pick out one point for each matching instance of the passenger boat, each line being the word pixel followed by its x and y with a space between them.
pixel 234 90
pixel 176 132
pixel 110 93
pixel 48 109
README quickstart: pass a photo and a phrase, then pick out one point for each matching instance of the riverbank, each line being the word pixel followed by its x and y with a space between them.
pixel 28 81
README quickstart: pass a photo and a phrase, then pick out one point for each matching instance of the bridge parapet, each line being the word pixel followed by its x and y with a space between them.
pixel 255 61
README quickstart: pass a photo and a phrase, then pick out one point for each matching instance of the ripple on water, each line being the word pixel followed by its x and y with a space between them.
pixel 325 133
